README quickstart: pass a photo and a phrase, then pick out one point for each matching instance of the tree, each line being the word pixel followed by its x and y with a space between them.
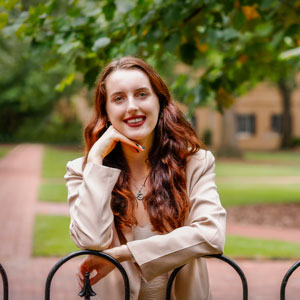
pixel 236 43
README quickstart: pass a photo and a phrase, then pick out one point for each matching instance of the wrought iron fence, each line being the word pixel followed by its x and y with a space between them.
pixel 5 283
pixel 88 292
pixel 286 278
pixel 220 257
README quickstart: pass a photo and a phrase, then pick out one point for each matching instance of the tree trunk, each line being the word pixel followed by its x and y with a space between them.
pixel 229 146
pixel 286 121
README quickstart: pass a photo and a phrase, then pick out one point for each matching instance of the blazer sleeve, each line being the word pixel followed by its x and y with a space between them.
pixel 204 230
pixel 89 195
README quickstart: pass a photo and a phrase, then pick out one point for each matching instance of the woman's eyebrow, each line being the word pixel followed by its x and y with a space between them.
pixel 143 89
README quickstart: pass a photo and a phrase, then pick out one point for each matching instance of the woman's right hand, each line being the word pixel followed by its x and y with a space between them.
pixel 107 142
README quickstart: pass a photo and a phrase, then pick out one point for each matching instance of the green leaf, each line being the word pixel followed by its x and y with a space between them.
pixel 267 4
pixel 264 29
pixel 67 47
pixel 109 10
pixel 10 4
pixel 101 43
pixel 239 19
pixel 65 82
pixel 3 19
pixel 188 53
pixel 172 15
pixel 229 34
pixel 172 41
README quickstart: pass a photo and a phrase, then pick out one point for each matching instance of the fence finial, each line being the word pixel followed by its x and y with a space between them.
pixel 87 290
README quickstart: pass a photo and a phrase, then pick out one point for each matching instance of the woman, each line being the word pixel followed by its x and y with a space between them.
pixel 145 192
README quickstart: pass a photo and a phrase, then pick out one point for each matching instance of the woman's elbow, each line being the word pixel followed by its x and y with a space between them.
pixel 86 241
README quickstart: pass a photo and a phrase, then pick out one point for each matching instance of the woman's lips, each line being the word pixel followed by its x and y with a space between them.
pixel 135 121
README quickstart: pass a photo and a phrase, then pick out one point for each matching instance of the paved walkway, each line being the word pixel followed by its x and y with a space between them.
pixel 20 178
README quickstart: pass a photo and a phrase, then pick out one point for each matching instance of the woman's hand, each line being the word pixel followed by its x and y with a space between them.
pixel 100 265
pixel 94 263
pixel 107 142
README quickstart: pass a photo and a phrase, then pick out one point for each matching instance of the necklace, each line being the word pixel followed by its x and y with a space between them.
pixel 140 196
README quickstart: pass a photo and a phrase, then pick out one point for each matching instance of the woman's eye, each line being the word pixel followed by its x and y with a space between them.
pixel 118 98
pixel 142 94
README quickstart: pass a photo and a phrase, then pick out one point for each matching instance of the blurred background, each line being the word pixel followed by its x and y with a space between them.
pixel 232 67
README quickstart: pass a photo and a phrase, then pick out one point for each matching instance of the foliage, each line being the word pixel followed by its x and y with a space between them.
pixel 237 43
pixel 28 96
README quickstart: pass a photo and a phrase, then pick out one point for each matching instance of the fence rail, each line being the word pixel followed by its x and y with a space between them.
pixel 5 283
pixel 286 278
pixel 220 257
pixel 88 292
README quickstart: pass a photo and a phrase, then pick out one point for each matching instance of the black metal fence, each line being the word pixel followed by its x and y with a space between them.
pixel 5 283
pixel 88 292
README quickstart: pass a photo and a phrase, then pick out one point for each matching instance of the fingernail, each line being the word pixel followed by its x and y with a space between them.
pixel 143 148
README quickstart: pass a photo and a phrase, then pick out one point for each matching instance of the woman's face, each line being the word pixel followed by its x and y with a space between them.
pixel 131 105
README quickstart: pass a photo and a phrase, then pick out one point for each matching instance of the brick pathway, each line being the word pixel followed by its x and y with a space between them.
pixel 20 178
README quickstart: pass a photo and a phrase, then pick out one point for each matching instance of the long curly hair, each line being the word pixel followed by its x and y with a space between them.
pixel 174 141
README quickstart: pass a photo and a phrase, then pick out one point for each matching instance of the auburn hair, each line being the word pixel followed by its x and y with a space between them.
pixel 174 141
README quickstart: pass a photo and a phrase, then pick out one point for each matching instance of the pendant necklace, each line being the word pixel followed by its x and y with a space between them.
pixel 140 196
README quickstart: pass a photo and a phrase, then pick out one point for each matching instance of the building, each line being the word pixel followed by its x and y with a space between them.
pixel 257 119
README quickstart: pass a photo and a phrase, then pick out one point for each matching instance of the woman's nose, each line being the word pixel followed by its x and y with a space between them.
pixel 132 105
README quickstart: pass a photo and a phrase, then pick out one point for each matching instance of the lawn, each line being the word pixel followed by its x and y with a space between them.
pixel 244 247
pixel 55 160
pixel 53 188
pixel 240 169
pixel 51 236
pixel 239 183
pixel 278 156
pixel 246 194
pixel 4 149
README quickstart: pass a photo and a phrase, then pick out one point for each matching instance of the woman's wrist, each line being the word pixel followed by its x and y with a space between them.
pixel 120 253
pixel 94 159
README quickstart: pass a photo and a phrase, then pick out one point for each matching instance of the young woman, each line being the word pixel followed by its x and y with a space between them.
pixel 145 192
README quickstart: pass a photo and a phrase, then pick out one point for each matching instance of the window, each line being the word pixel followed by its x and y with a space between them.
pixel 276 123
pixel 246 124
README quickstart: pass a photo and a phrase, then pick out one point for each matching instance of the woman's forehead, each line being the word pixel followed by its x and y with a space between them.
pixel 127 79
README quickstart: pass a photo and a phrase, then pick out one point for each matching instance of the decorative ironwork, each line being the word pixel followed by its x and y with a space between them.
pixel 5 283
pixel 286 278
pixel 218 256
pixel 87 290
pixel 86 252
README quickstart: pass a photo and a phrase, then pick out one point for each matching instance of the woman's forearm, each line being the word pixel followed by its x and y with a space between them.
pixel 120 253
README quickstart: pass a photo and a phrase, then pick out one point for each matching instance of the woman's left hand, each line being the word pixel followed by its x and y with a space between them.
pixel 94 263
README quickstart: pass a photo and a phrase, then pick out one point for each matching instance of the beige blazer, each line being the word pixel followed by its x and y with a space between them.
pixel 92 227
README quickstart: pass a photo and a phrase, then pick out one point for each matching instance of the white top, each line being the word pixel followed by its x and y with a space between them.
pixel 156 288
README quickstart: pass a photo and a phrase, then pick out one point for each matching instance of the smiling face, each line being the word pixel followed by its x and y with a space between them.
pixel 131 105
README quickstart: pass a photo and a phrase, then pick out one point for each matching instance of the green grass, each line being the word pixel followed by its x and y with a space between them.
pixel 278 156
pixel 243 247
pixel 244 194
pixel 53 192
pixel 236 169
pixel 4 149
pixel 51 236
pixel 53 188
pixel 55 160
